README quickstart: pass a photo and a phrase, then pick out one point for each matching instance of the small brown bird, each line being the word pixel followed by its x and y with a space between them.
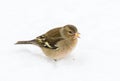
pixel 56 43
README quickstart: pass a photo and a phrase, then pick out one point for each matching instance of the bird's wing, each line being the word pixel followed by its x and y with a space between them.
pixel 50 39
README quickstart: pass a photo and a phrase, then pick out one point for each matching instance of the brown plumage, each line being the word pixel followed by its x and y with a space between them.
pixel 57 42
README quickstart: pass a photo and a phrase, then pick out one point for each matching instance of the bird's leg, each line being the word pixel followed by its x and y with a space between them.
pixel 55 60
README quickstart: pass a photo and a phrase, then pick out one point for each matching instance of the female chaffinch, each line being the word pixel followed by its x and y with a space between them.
pixel 57 42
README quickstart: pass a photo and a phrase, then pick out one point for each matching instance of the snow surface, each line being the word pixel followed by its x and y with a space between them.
pixel 96 57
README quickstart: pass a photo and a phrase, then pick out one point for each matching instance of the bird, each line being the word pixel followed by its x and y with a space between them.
pixel 58 42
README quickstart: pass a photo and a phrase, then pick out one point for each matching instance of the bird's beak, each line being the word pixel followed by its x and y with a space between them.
pixel 77 35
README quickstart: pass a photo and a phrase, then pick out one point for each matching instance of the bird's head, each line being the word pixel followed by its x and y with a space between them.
pixel 70 31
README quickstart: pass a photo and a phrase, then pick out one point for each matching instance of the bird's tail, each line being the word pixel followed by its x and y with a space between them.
pixel 26 42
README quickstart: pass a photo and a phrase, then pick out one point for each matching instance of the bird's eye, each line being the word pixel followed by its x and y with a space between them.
pixel 70 32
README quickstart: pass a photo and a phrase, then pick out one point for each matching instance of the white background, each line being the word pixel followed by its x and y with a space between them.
pixel 96 57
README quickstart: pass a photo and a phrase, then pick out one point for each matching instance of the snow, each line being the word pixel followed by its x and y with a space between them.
pixel 95 58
